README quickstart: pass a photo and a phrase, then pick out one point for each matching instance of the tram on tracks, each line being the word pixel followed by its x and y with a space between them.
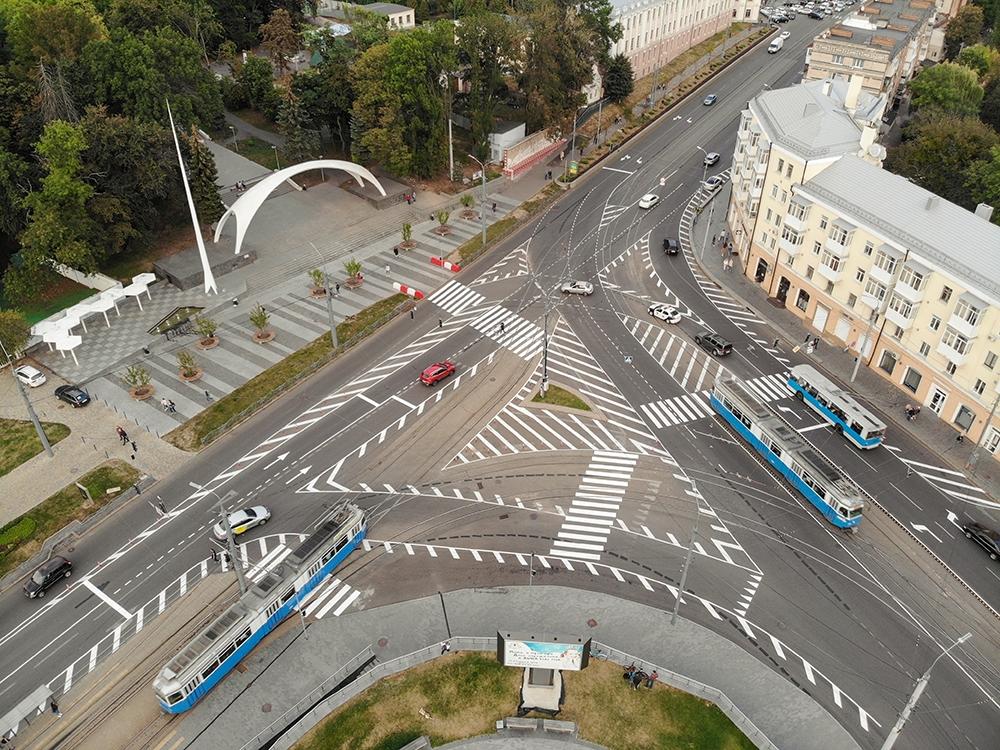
pixel 833 403
pixel 837 497
pixel 219 647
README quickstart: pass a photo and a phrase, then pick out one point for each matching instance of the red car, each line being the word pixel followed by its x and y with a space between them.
pixel 437 372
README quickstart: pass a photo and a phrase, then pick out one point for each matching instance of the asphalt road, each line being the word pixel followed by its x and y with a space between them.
pixel 469 484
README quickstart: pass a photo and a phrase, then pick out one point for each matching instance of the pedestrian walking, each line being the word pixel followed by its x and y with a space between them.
pixel 445 647
pixel 338 290
pixel 501 326
pixel 55 709
pixel 494 206
pixel 413 197
pixel 816 342
pixel 208 396
pixel 411 314
pixel 227 557
pixel 387 270
pixel 714 238
pixel 236 301
pixel 408 201
pixel 395 251
pixel 165 404
pixel 651 680
pixel 121 434
pixel 806 340
pixel 172 406
pixel 776 343
pixel 215 554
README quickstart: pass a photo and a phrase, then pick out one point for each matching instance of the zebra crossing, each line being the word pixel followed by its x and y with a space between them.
pixel 611 213
pixel 594 507
pixel 454 297
pixel 514 263
pixel 690 407
pixel 613 425
pixel 682 359
pixel 510 330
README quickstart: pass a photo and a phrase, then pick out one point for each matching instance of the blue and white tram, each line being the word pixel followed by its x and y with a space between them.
pixel 219 647
pixel 832 402
pixel 805 468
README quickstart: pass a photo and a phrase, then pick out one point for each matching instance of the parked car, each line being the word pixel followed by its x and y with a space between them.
pixel 710 100
pixel 671 246
pixel 437 371
pixel 714 343
pixel 665 312
pixel 47 576
pixel 711 158
pixel 30 376
pixel 649 200
pixel 986 538
pixel 577 287
pixel 243 520
pixel 817 15
pixel 73 395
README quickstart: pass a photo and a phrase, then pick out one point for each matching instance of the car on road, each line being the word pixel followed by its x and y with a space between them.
pixel 437 371
pixel 714 183
pixel 782 18
pixel 817 15
pixel 73 395
pixel 577 287
pixel 649 200
pixel 242 520
pixel 665 312
pixel 785 34
pixel 30 376
pixel 47 576
pixel 986 538
pixel 671 246
pixel 713 342
pixel 711 158
pixel 710 100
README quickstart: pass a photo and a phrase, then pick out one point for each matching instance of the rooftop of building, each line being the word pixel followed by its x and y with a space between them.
pixel 956 240
pixel 811 120
pixel 887 25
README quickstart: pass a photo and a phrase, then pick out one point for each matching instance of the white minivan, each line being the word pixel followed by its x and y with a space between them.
pixel 775 45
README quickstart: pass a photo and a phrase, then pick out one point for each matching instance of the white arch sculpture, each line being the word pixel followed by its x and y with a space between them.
pixel 245 207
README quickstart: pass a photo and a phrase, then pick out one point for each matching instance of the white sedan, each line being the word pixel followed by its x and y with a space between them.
pixel 785 34
pixel 665 312
pixel 578 287
pixel 243 520
pixel 713 183
pixel 649 200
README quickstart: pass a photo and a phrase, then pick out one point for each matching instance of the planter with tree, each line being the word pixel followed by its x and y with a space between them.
pixel 354 278
pixel 408 242
pixel 467 203
pixel 137 378
pixel 259 318
pixel 318 278
pixel 189 370
pixel 442 217
pixel 207 328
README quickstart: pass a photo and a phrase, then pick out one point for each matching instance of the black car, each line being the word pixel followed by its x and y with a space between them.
pixel 719 346
pixel 47 576
pixel 670 246
pixel 988 539
pixel 817 15
pixel 72 395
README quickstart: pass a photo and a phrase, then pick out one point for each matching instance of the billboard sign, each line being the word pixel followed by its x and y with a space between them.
pixel 542 651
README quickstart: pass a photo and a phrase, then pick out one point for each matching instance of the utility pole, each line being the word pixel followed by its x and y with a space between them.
pixel 482 211
pixel 230 539
pixel 27 404
pixel 982 435
pixel 545 343
pixel 329 300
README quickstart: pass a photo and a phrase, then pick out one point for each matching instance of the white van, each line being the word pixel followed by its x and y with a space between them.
pixel 775 45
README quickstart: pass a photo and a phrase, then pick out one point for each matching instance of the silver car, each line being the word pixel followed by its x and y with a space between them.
pixel 243 520
pixel 578 287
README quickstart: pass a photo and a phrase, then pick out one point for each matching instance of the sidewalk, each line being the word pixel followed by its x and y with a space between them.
pixel 935 434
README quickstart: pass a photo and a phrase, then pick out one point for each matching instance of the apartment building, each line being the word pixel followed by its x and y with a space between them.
pixel 657 31
pixel 885 41
pixel 867 259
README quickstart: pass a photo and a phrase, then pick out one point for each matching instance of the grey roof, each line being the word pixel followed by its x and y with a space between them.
pixel 810 120
pixel 386 8
pixel 957 241
pixel 902 31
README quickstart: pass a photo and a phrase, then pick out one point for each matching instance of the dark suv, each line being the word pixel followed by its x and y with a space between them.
pixel 47 576
pixel 670 246
pixel 714 343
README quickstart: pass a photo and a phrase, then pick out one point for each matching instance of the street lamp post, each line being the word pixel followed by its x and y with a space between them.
pixel 275 149
pixel 329 300
pixel 687 559
pixel 704 169
pixel 543 387
pixel 27 403
pixel 917 692
pixel 236 143
pixel 482 211
pixel 230 540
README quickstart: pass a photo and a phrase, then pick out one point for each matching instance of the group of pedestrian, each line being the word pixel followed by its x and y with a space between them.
pixel 170 406
pixel 634 676
pixel 240 186
pixel 411 198
pixel 912 412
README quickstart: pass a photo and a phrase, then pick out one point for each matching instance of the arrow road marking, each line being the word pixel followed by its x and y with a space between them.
pixel 921 527
pixel 282 457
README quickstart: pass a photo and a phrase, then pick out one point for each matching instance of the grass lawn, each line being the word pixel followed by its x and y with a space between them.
pixel 68 505
pixel 261 152
pixel 58 295
pixel 19 441
pixel 466 693
pixel 557 396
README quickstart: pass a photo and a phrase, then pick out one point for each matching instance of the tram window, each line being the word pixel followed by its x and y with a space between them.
pixel 243 637
pixel 287 595
pixel 272 609
pixel 820 491
pixel 227 652
pixel 189 688
pixel 314 569
pixel 341 543
pixel 175 698
pixel 207 671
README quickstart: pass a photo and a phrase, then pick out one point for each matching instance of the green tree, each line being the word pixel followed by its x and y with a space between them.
pixel 280 39
pixel 327 92
pixel 619 81
pixel 14 185
pixel 983 181
pixel 58 225
pixel 989 109
pixel 202 177
pixel 948 88
pixel 367 29
pixel 256 78
pixel 938 150
pixel 53 32
pixel 979 58
pixel 301 142
pixel 15 332
pixel 964 30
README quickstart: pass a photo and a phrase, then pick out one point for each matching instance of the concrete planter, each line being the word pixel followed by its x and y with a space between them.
pixel 208 342
pixel 262 337
pixel 191 376
pixel 142 392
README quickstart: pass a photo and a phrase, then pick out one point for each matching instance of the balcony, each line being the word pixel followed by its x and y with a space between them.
pixel 948 353
pixel 789 247
pixel 972 306
pixel 880 274
pixel 829 274
pixel 895 317
pixel 841 251
pixel 799 225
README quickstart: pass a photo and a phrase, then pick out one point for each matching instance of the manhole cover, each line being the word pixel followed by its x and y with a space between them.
pixel 591 623
pixel 533 516
pixel 383 642
pixel 266 708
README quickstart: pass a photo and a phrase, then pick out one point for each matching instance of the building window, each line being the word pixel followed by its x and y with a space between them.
pixel 784 196
pixel 788 172
pixel 790 235
pixel 860 276
pixel 840 236
pixel 802 301
pixel 955 340
pixel 817 247
pixel 965 417
pixel 777 220
pixel 912 379
pixel 912 279
pixel 979 387
pixel 900 305
pixel 935 323
pixel 968 312
pixel 876 290
pixel 823 222
pixel 767 218
pixel 852 300
pixel 831 261
pixel 858 62
pixel 781 165
pixel 829 287
pixel 774 191
pixel 925 349
pixel 885 261
pixel 809 272
pixel 869 247
pixel 888 361
pixel 898 333
pixel 763 237
pixel 950 368
pixel 946 294
pixel 837 60
pixel 991 360
pixel 774 241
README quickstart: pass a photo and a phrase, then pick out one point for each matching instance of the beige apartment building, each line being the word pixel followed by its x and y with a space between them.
pixel 884 41
pixel 868 260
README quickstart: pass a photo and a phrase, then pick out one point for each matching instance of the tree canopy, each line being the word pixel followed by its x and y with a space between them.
pixel 948 88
